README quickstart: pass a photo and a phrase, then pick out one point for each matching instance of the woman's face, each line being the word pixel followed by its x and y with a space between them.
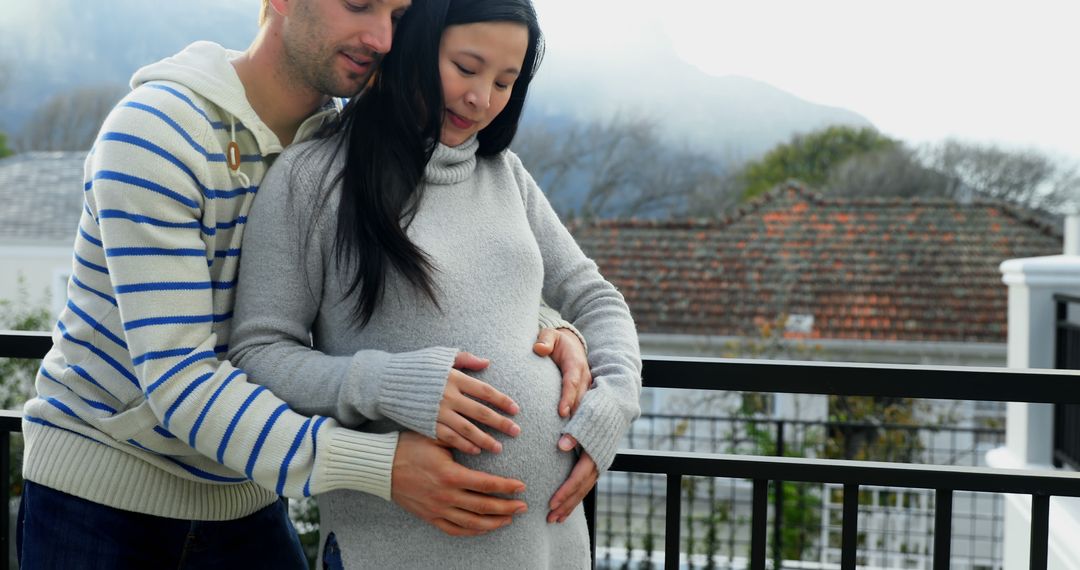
pixel 479 64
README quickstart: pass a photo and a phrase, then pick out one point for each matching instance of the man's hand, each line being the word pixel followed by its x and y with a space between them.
pixel 461 405
pixel 429 484
pixel 565 349
pixel 581 480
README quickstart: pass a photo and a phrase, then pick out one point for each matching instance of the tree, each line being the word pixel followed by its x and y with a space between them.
pixel 70 120
pixel 5 79
pixel 1027 178
pixel 843 161
pixel 959 171
pixel 619 167
pixel 809 158
pixel 890 172
pixel 5 75
pixel 17 374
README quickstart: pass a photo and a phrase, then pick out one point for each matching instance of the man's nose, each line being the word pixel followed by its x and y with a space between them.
pixel 380 35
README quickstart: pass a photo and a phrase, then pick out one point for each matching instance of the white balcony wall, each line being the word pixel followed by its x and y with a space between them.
pixel 1032 284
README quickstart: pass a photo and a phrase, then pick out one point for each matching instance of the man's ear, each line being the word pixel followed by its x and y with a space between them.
pixel 281 7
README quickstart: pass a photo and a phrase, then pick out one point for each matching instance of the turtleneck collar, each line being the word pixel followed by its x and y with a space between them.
pixel 450 165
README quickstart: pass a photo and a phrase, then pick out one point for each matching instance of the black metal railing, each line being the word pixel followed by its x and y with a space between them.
pixel 13 344
pixel 1066 357
pixel 715 525
pixel 931 382
pixel 924 382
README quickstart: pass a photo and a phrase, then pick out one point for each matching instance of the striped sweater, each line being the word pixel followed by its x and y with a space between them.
pixel 135 406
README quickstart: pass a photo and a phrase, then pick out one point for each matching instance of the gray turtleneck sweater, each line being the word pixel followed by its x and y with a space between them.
pixel 498 248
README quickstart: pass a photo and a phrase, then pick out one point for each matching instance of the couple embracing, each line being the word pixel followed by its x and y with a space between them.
pixel 376 342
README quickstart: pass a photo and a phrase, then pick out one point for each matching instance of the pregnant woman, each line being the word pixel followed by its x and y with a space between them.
pixel 409 235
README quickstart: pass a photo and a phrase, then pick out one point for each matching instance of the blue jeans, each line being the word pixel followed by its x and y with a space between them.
pixel 57 530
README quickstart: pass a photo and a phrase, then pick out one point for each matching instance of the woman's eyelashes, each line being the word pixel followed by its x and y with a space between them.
pixel 500 85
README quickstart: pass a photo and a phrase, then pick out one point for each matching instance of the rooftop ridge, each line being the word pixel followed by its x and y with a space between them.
pixel 780 192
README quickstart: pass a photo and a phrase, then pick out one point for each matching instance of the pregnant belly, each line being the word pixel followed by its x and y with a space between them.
pixel 533 456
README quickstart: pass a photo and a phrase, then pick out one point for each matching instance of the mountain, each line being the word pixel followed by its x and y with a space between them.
pixel 731 118
pixel 47 46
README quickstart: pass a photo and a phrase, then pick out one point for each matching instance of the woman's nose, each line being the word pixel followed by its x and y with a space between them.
pixel 479 98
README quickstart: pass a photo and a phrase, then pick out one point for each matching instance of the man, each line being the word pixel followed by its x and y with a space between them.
pixel 143 449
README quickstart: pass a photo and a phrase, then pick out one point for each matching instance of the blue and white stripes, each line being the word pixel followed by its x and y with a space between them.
pixel 135 367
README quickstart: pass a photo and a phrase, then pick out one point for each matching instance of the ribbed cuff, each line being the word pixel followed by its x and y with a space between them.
pixel 404 387
pixel 413 385
pixel 554 321
pixel 598 425
pixel 357 461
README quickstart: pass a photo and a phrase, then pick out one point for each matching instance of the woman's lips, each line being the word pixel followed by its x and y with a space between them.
pixel 459 121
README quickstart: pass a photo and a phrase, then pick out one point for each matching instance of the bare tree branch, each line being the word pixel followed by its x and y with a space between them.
pixel 962 171
pixel 70 120
pixel 618 167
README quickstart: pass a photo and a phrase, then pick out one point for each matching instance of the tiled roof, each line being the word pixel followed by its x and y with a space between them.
pixel 865 269
pixel 41 196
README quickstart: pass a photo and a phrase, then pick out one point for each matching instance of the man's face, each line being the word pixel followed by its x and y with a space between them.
pixel 334 46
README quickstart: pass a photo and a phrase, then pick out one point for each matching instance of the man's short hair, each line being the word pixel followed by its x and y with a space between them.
pixel 263 10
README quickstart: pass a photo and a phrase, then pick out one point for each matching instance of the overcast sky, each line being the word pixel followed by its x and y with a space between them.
pixel 920 70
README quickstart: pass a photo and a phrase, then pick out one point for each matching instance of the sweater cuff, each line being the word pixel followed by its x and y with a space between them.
pixel 357 461
pixel 551 319
pixel 598 428
pixel 405 387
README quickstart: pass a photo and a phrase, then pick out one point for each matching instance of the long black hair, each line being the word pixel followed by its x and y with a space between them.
pixel 389 133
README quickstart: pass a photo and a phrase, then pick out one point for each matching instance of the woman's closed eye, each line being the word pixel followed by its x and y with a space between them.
pixel 464 70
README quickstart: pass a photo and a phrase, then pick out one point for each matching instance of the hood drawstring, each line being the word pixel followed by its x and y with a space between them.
pixel 232 154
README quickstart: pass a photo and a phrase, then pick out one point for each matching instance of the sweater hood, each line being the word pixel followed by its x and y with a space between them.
pixel 206 68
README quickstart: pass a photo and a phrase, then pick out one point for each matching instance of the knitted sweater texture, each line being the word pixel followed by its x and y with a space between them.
pixel 497 248
pixel 135 408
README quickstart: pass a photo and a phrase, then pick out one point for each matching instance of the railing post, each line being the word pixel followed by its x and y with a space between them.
pixel 943 500
pixel 5 497
pixel 849 544
pixel 1061 312
pixel 1040 531
pixel 1066 444
pixel 589 504
pixel 759 524
pixel 778 504
pixel 672 520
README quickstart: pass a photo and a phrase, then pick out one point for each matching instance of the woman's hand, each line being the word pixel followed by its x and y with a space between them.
pixel 463 403
pixel 581 480
pixel 565 349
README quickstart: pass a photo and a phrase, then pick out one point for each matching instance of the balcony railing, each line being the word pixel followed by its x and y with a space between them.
pixel 924 382
pixel 715 524
pixel 1066 357
pixel 929 382
pixel 13 344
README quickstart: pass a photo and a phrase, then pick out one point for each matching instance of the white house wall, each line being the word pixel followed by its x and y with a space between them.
pixel 43 269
